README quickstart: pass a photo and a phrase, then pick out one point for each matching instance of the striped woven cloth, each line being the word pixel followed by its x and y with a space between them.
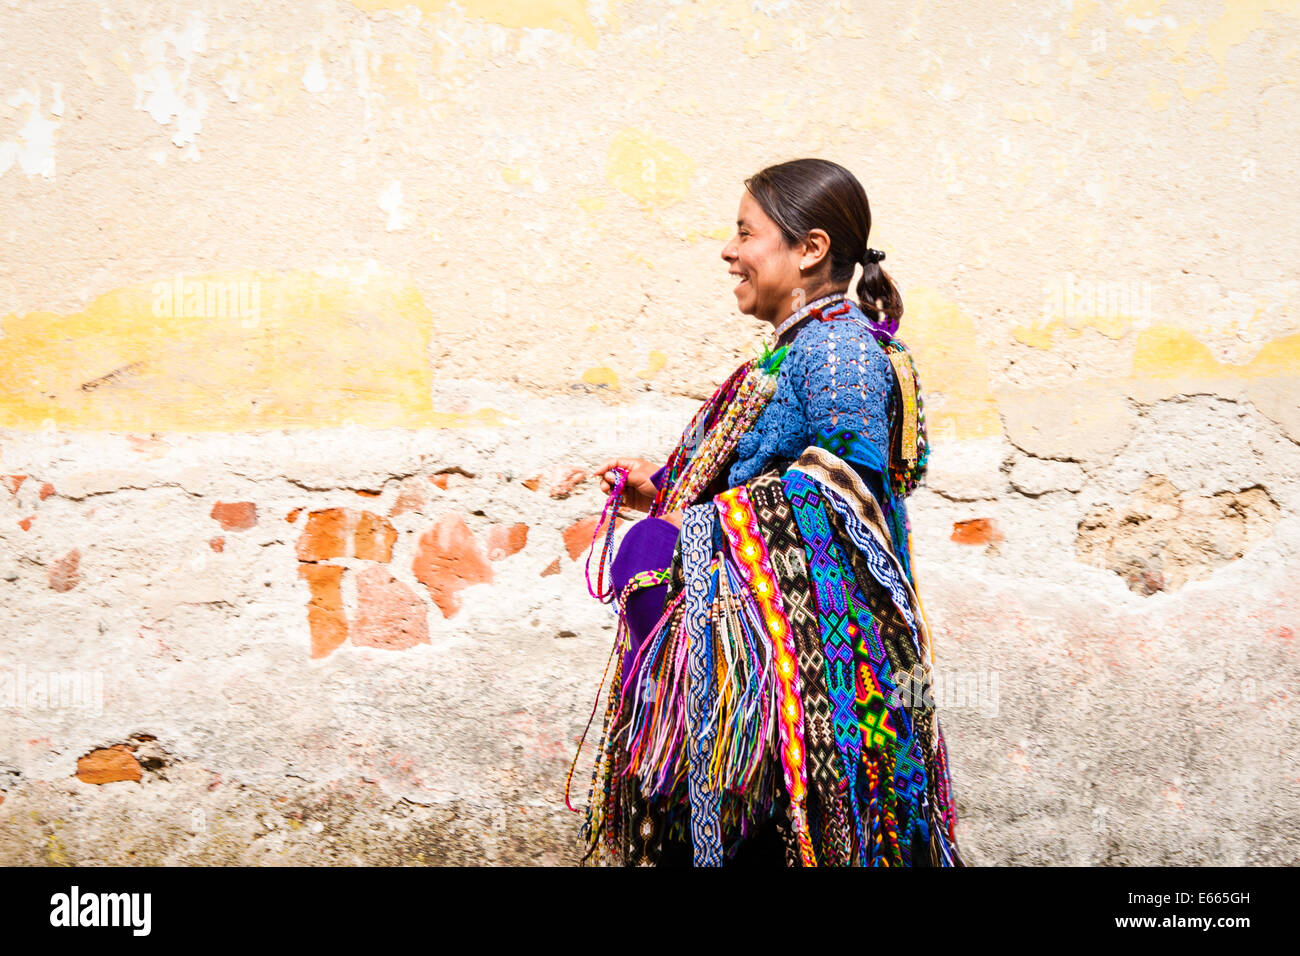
pixel 774 689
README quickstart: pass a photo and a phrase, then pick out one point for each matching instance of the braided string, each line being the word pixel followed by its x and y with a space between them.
pixel 605 592
pixel 642 579
pixel 618 640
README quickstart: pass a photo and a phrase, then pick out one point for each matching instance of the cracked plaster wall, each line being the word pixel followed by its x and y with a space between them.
pixel 314 316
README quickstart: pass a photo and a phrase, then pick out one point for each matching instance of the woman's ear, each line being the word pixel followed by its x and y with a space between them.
pixel 817 245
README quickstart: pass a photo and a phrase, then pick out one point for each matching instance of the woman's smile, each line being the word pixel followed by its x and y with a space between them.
pixel 764 267
pixel 770 272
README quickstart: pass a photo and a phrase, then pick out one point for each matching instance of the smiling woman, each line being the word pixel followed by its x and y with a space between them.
pixel 774 702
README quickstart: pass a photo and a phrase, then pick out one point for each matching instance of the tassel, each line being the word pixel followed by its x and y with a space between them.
pixel 936 857
pixel 770 359
pixel 743 712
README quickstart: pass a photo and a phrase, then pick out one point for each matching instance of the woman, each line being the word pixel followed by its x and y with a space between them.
pixel 773 699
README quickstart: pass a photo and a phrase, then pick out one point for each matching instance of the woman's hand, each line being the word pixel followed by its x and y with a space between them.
pixel 639 492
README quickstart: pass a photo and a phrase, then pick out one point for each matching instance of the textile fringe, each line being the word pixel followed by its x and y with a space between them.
pixel 894 808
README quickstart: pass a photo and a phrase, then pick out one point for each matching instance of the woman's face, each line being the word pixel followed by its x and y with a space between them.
pixel 767 269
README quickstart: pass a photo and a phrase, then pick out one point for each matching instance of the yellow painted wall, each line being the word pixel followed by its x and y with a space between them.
pixel 1088 197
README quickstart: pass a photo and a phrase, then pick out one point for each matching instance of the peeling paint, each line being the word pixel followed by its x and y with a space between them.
pixel 33 149
pixel 553 296
pixel 1167 352
pixel 1240 19
pixel 167 97
pixel 951 366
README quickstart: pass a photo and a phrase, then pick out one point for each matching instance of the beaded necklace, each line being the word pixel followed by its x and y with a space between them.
pixel 725 417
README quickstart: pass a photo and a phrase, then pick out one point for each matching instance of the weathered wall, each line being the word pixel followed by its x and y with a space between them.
pixel 311 310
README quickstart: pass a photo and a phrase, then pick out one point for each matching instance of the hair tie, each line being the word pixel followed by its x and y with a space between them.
pixel 872 255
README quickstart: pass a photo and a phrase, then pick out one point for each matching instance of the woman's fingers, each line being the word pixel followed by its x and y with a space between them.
pixel 628 464
pixel 632 466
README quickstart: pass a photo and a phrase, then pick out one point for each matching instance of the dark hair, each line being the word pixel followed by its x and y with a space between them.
pixel 806 194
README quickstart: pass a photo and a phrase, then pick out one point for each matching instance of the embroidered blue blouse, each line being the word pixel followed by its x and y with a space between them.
pixel 834 390
pixel 835 381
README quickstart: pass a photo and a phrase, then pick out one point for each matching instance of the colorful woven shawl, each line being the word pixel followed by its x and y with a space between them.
pixel 788 678
pixel 711 436
pixel 791 650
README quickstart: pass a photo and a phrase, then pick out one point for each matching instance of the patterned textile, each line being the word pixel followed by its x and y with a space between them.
pixel 859 708
pixel 741 527
pixel 849 497
pixel 706 801
pixel 847 445
pixel 795 649
pixel 882 724
pixel 788 680
pixel 786 550
pixel 910 447
pixel 711 437
pixel 921 773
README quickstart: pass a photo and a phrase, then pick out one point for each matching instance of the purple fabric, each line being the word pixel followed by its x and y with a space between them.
pixel 657 478
pixel 647 546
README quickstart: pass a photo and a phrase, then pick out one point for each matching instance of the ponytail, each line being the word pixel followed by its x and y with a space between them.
pixel 909 446
pixel 877 295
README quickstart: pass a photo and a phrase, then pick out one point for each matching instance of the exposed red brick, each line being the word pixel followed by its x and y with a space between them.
pixel 562 479
pixel 552 568
pixel 292 516
pixel 13 482
pixel 217 544
pixel 504 540
pixel 108 765
pixel 47 489
pixel 325 536
pixel 439 480
pixel 447 559
pixel 235 515
pixel 344 532
pixel 533 483
pixel 577 536
pixel 410 498
pixel 329 626
pixel 976 531
pixel 368 494
pixel 63 572
pixel 374 537
pixel 391 616
pixel 26 523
